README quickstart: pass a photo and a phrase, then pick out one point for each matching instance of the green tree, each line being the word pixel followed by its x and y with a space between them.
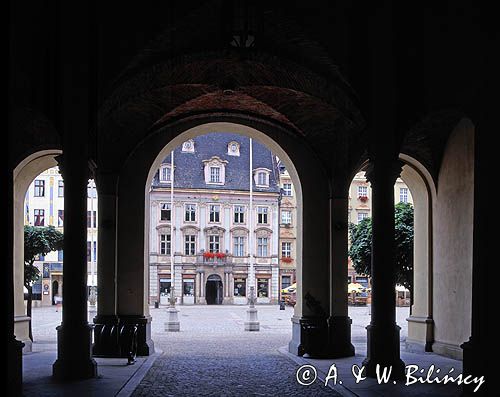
pixel 37 241
pixel 360 250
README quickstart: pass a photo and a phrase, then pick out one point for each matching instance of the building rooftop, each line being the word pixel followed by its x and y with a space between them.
pixel 189 166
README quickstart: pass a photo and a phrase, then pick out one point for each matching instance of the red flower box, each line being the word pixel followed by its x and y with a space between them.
pixel 286 259
pixel 220 255
pixel 363 198
pixel 208 255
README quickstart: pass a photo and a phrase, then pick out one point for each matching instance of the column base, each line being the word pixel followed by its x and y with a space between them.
pixel 420 334
pixel 105 335
pixel 383 349
pixel 252 323
pixel 74 363
pixel 339 337
pixel 294 346
pixel 314 337
pixel 474 364
pixel 172 324
pixel 15 367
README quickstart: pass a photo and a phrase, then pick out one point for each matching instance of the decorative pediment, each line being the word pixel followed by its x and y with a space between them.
pixel 190 229
pixel 214 230
pixel 263 232
pixel 239 231
pixel 164 229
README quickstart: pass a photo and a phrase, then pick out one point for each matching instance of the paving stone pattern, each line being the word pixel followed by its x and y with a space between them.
pixel 214 356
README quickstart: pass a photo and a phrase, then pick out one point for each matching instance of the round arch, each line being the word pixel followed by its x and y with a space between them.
pixel 307 172
pixel 23 175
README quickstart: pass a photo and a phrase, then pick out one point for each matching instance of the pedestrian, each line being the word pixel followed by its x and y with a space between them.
pixel 58 301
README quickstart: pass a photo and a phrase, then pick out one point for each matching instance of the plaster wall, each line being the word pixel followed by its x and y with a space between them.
pixel 453 226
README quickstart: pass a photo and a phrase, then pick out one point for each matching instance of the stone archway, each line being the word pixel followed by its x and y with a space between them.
pixel 214 290
pixel 25 172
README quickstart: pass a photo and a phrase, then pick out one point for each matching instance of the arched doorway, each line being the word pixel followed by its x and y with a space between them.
pixel 55 290
pixel 214 290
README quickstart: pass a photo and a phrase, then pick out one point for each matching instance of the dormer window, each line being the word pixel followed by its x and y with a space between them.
pixel 188 146
pixel 233 148
pixel 214 174
pixel 261 177
pixel 165 175
pixel 215 171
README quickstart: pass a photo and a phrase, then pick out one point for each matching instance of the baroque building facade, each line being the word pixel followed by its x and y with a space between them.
pixel 220 243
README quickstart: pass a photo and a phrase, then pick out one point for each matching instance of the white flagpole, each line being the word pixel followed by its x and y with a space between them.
pixel 172 236
pixel 250 221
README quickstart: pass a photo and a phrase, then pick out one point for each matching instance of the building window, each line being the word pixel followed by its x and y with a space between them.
pixel 213 243
pixel 190 215
pixel 362 191
pixel 362 215
pixel 215 174
pixel 165 212
pixel 89 251
pixel 60 218
pixel 286 217
pixel 60 255
pixel 286 249
pixel 403 195
pixel 262 245
pixel 262 215
pixel 239 246
pixel 287 189
pixel 188 287
pixel 233 148
pixel 91 219
pixel 165 244
pixel 239 214
pixel 39 217
pixel 214 213
pixel 262 287
pixel 261 178
pixel 165 174
pixel 240 287
pixel 188 146
pixel 39 188
pixel 60 189
pixel 190 245
pixel 286 281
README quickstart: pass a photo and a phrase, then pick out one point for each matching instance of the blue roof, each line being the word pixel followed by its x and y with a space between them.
pixel 189 167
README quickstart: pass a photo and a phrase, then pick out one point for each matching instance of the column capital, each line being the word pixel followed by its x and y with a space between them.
pixel 106 181
pixel 383 169
pixel 64 168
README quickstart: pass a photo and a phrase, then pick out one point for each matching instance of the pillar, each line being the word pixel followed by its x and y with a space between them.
pixel 383 332
pixel 74 339
pixel 339 323
pixel 106 265
pixel 477 348
pixel 14 347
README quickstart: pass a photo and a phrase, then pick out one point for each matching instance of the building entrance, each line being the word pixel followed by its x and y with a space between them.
pixel 214 293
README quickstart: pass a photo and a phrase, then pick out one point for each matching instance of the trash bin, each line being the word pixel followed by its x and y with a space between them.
pixel 157 304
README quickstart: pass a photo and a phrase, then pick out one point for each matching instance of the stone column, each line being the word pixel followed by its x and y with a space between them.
pixel 339 323
pixel 106 274
pixel 477 347
pixel 74 359
pixel 14 347
pixel 383 332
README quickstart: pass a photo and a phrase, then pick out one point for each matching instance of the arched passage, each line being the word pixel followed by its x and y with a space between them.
pixel 24 174
pixel 131 300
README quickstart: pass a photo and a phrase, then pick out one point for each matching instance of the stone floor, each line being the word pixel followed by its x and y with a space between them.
pixel 212 355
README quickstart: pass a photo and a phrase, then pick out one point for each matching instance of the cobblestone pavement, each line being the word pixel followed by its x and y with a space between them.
pixel 214 356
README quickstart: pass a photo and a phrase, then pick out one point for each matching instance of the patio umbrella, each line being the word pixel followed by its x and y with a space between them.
pixel 289 289
pixel 354 287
